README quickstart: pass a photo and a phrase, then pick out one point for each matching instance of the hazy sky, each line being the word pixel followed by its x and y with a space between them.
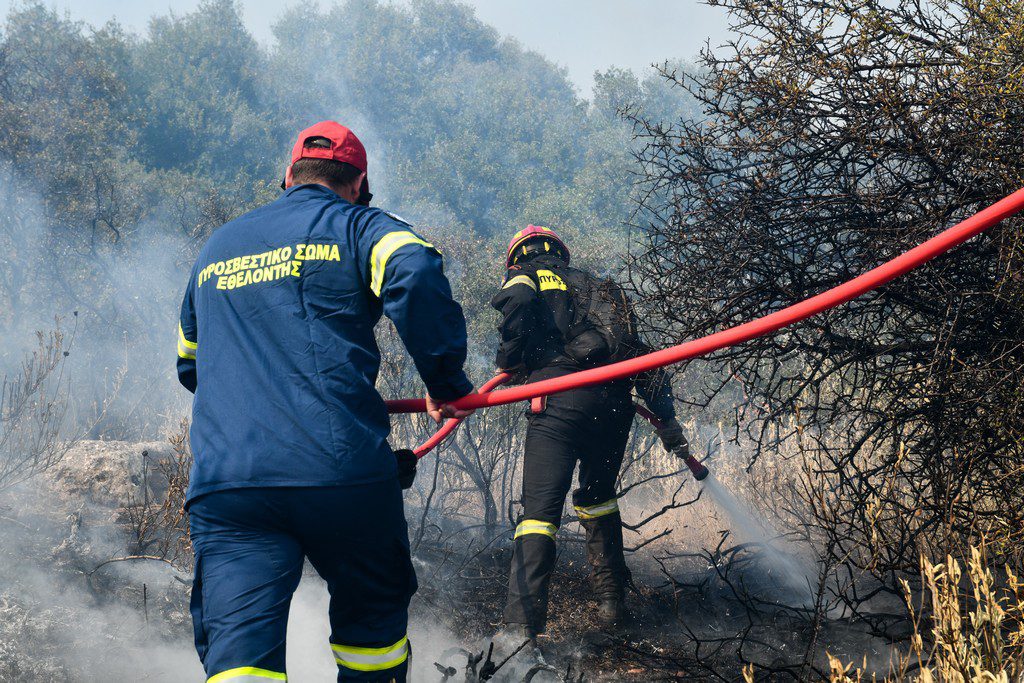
pixel 582 35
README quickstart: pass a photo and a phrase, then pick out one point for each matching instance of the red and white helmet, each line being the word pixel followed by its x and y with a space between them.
pixel 529 241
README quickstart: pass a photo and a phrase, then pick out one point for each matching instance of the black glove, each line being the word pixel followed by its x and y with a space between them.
pixel 406 467
pixel 673 438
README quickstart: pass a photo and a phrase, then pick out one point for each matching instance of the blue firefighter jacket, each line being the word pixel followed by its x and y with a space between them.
pixel 276 341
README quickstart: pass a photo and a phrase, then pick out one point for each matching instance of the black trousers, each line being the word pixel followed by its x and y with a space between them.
pixel 587 426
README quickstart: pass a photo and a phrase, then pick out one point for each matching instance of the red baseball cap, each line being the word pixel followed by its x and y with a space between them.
pixel 345 146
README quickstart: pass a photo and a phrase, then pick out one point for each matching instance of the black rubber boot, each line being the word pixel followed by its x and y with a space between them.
pixel 608 572
pixel 532 563
pixel 611 611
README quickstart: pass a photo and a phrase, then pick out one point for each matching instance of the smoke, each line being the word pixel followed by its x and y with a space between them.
pixel 58 621
pixel 116 302
pixel 53 632
pixel 61 619
pixel 67 616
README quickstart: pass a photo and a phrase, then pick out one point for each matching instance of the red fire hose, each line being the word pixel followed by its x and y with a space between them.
pixel 699 471
pixel 874 278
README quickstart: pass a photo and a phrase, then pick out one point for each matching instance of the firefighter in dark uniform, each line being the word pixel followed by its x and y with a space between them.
pixel 289 434
pixel 549 329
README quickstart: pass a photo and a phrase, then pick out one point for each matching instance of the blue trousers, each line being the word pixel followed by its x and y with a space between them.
pixel 249 548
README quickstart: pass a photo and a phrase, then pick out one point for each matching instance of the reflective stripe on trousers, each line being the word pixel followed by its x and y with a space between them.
pixel 247 674
pixel 600 510
pixel 535 526
pixel 371 658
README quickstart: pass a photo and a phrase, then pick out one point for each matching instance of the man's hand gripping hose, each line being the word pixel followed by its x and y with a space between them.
pixel 453 423
pixel 439 411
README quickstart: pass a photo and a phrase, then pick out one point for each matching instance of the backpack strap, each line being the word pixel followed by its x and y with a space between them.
pixel 582 299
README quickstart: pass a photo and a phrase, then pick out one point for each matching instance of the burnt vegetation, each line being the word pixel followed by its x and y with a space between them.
pixel 837 135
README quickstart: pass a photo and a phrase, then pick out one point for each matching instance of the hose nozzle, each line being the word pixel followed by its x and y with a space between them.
pixel 700 472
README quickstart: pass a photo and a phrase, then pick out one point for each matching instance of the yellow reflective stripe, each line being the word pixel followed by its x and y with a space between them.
pixel 520 280
pixel 535 526
pixel 599 510
pixel 186 348
pixel 247 672
pixel 185 353
pixel 181 335
pixel 371 658
pixel 382 251
pixel 538 227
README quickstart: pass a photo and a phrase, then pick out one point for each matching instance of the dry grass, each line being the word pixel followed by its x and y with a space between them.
pixel 155 521
pixel 969 627
pixel 33 405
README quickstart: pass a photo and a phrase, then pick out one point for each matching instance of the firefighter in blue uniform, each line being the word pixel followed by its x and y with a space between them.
pixel 550 328
pixel 289 434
